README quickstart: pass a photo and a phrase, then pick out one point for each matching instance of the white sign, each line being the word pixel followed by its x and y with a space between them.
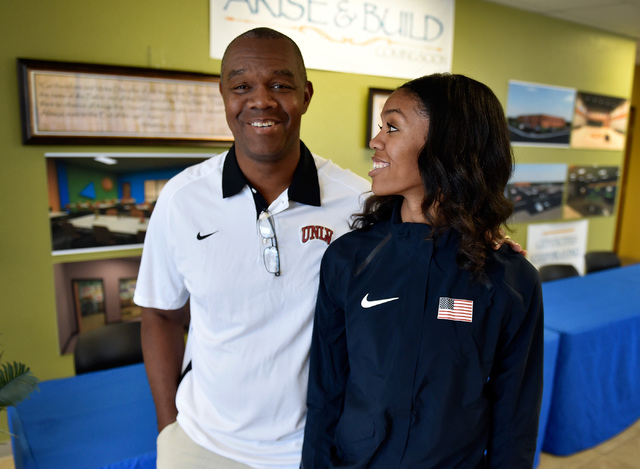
pixel 399 38
pixel 557 243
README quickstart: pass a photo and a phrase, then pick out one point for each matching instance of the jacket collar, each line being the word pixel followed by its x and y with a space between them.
pixel 447 239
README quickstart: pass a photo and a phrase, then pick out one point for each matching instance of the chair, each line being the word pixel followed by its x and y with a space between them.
pixel 136 213
pixel 107 347
pixel 557 271
pixel 74 238
pixel 103 235
pixel 600 260
pixel 69 229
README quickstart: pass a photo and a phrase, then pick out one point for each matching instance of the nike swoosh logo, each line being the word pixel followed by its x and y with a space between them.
pixel 201 237
pixel 365 303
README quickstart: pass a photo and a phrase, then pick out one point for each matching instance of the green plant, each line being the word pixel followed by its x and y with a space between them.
pixel 16 383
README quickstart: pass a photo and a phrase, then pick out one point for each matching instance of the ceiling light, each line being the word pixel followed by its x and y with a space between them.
pixel 105 160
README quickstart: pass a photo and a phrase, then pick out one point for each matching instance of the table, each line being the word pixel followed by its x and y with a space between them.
pixel 117 224
pixel 596 392
pixel 551 344
pixel 58 215
pixel 104 419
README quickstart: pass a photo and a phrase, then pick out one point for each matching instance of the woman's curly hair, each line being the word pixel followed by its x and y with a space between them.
pixel 465 165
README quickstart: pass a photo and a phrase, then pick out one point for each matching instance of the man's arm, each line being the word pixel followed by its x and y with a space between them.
pixel 163 350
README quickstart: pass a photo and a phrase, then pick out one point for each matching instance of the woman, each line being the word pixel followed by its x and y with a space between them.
pixel 427 344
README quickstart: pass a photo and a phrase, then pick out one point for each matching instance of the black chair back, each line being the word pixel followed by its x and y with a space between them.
pixel 557 271
pixel 107 347
pixel 103 235
pixel 600 260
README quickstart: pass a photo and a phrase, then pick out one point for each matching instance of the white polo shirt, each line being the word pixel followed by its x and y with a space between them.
pixel 245 397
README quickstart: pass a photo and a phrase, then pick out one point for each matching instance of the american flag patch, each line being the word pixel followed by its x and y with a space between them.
pixel 455 310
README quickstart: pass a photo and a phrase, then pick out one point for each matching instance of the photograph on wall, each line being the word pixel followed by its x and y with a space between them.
pixel 102 285
pixel 105 202
pixel 536 191
pixel 539 115
pixel 375 103
pixel 591 191
pixel 599 122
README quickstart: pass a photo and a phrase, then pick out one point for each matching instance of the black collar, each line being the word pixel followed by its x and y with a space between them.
pixel 304 187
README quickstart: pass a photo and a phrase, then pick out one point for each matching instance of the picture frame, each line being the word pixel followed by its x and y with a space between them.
pixel 539 115
pixel 375 103
pixel 86 104
pixel 128 309
pixel 600 122
pixel 88 300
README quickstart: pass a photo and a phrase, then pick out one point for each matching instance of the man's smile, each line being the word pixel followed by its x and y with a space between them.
pixel 263 124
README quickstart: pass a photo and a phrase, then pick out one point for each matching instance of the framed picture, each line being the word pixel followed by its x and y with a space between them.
pixel 77 103
pixel 128 309
pixel 599 122
pixel 377 98
pixel 88 299
pixel 539 115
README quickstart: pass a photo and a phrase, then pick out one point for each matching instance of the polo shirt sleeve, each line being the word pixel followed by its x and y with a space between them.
pixel 329 369
pixel 160 284
pixel 516 380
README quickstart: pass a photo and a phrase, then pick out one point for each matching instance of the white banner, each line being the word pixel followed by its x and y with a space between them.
pixel 399 38
pixel 557 243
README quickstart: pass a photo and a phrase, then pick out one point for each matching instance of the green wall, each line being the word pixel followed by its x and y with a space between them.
pixel 492 44
pixel 501 44
pixel 79 177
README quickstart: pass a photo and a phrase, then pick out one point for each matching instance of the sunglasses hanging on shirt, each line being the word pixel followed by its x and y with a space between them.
pixel 270 254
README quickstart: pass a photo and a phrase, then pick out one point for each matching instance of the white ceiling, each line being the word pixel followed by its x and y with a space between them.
pixel 617 16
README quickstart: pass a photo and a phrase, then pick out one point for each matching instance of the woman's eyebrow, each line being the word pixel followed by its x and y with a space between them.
pixel 388 112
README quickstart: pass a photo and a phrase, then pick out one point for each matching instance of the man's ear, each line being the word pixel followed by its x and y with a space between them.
pixel 308 93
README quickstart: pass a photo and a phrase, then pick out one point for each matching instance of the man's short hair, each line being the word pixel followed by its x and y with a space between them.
pixel 268 33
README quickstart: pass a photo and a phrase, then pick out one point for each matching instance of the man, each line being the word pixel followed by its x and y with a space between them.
pixel 241 237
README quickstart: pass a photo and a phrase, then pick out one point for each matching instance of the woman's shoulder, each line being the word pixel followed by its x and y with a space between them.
pixel 360 238
pixel 352 247
pixel 512 271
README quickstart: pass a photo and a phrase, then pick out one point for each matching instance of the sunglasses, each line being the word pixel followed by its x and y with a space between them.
pixel 270 255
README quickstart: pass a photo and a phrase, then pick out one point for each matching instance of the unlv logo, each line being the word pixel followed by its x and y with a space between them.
pixel 316 232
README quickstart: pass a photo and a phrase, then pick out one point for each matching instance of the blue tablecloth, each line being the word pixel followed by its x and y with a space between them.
pixel 104 419
pixel 107 419
pixel 551 343
pixel 596 392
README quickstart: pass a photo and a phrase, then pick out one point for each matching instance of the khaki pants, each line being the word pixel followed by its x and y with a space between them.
pixel 177 451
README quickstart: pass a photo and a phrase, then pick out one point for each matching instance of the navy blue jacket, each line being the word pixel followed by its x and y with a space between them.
pixel 403 383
